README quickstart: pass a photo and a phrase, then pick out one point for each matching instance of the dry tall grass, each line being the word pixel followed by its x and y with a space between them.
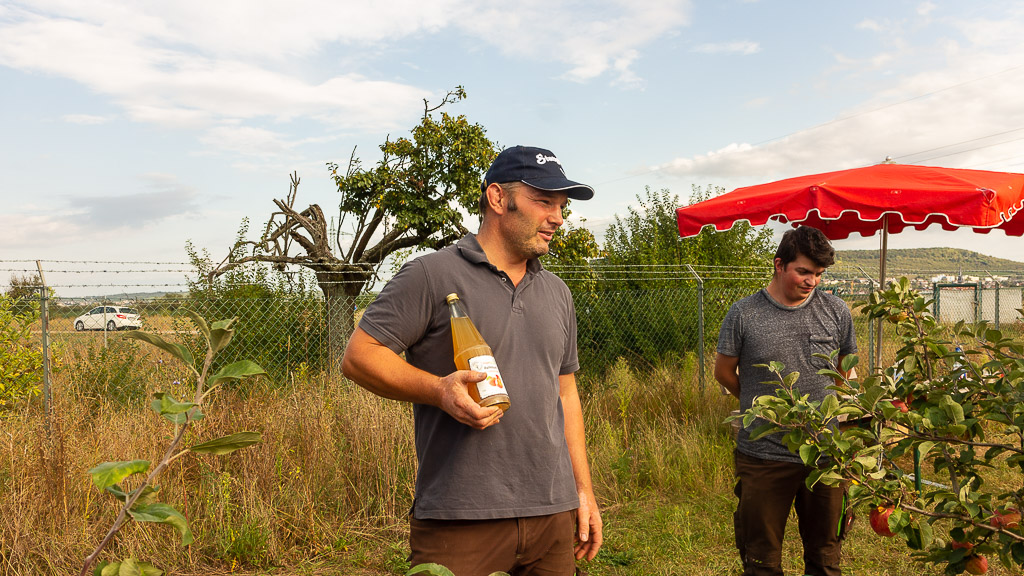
pixel 332 479
pixel 328 489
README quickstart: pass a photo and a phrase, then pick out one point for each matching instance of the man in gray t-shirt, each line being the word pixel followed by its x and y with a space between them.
pixel 494 491
pixel 788 321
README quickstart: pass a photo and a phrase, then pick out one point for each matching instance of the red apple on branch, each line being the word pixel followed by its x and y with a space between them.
pixel 879 519
pixel 1006 519
pixel 977 564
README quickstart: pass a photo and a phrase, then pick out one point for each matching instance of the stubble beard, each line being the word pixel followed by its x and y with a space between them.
pixel 527 244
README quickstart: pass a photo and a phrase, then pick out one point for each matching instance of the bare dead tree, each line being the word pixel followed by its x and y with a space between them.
pixel 302 238
pixel 415 197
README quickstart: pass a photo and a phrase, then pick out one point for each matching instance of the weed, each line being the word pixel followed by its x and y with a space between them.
pixel 113 373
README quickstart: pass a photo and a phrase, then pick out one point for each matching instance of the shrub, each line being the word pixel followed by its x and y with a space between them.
pixel 21 363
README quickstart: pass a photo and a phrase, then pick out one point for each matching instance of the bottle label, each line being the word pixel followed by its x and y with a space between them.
pixel 492 384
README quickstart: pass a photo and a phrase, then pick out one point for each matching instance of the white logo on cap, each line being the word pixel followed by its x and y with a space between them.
pixel 542 159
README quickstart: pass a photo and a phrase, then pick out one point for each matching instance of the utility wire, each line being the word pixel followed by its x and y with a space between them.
pixel 961 142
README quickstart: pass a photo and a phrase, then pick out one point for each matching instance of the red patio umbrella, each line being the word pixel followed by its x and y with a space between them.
pixel 887 197
pixel 847 201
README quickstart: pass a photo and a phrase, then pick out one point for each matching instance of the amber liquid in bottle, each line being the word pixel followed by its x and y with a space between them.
pixel 472 353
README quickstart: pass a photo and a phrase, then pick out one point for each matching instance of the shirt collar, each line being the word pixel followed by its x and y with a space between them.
pixel 469 248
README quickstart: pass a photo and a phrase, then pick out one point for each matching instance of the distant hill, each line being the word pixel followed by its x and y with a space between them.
pixel 930 261
pixel 124 296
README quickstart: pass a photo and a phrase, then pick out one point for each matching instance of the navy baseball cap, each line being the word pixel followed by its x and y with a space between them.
pixel 537 167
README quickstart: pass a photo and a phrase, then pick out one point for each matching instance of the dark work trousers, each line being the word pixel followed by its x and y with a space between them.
pixel 531 546
pixel 767 489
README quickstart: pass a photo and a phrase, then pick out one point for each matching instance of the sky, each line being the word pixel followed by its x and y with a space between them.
pixel 128 128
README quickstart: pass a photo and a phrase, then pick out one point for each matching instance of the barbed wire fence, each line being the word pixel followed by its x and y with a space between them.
pixel 646 315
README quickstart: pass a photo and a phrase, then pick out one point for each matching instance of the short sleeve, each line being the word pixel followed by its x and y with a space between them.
pixel 570 358
pixel 401 314
pixel 730 337
pixel 849 341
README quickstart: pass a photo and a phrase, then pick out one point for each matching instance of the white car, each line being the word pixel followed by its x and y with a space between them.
pixel 109 318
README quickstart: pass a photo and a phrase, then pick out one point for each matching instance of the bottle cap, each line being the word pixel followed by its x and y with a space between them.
pixel 450 297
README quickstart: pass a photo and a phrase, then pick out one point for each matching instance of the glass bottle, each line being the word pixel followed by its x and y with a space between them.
pixel 472 353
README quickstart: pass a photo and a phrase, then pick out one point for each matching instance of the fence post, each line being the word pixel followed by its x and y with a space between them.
pixel 871 323
pixel 977 302
pixel 44 317
pixel 700 326
pixel 936 291
pixel 997 305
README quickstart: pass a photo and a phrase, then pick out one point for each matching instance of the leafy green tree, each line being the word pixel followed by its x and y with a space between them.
pixel 644 268
pixel 572 245
pixel 414 197
pixel 649 235
pixel 952 402
pixel 571 250
pixel 21 363
pixel 24 287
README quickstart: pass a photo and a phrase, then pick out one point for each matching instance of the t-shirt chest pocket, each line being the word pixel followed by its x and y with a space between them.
pixel 822 344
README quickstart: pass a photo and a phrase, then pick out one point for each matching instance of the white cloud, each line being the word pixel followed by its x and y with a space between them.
pixel 227 67
pixel 177 88
pixel 85 119
pixel 960 108
pixel 744 47
pixel 925 8
pixel 592 38
pixel 869 24
pixel 756 103
pixel 247 141
pixel 30 231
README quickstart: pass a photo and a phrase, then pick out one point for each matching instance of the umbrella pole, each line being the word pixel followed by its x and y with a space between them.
pixel 881 286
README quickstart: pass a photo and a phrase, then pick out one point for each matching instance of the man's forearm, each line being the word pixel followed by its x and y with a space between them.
pixel 575 437
pixel 726 374
pixel 589 531
pixel 376 368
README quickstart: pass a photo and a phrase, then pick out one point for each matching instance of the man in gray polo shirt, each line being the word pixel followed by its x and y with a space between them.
pixel 495 491
pixel 788 321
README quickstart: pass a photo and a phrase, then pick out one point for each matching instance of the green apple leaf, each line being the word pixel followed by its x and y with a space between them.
pixel 221 334
pixel 227 444
pixel 129 567
pixel 110 473
pixel 430 569
pixel 166 404
pixel 147 496
pixel 236 371
pixel 200 323
pixel 177 350
pixel 164 514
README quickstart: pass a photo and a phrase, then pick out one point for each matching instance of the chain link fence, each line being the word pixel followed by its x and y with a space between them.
pixel 648 316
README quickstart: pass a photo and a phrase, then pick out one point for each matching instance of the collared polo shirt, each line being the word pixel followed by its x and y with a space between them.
pixel 521 466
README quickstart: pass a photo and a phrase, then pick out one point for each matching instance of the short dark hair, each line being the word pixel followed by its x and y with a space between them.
pixel 510 187
pixel 808 241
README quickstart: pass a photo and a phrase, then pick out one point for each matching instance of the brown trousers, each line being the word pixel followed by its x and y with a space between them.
pixel 531 546
pixel 767 489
